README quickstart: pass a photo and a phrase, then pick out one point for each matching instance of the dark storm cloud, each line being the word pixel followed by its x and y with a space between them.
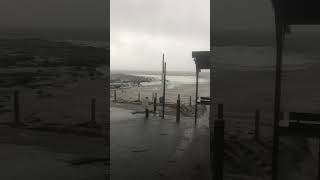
pixel 54 13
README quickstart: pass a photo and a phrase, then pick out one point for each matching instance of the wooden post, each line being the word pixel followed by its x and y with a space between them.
pixel 115 95
pixel 196 101
pixel 257 125
pixel 164 90
pixel 93 111
pixel 16 108
pixel 147 112
pixel 218 146
pixel 277 94
pixel 178 109
pixel 155 104
pixel 139 96
pixel 190 101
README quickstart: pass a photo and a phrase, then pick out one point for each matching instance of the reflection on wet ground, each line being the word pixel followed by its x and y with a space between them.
pixel 145 148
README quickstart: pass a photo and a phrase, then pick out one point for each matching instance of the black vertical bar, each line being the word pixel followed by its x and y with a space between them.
pixel 277 96
pixel 16 107
pixel 257 125
pixel 115 95
pixel 93 110
pixel 196 101
pixel 178 109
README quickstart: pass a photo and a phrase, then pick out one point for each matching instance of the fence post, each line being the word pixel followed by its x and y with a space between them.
pixel 257 125
pixel 218 146
pixel 155 104
pixel 16 108
pixel 115 95
pixel 139 96
pixel 178 109
pixel 93 111
pixel 147 112
pixel 190 101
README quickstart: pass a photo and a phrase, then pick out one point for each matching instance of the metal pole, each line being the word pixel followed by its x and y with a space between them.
pixel 196 101
pixel 277 96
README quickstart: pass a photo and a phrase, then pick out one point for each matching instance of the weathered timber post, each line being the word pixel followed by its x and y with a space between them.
pixel 16 107
pixel 257 125
pixel 145 103
pixel 190 101
pixel 115 95
pixel 218 145
pixel 155 104
pixel 196 101
pixel 178 109
pixel 93 111
pixel 164 90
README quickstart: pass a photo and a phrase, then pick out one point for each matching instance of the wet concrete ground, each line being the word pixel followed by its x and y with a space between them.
pixel 148 148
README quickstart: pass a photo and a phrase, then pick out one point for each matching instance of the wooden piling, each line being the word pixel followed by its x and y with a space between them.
pixel 155 104
pixel 218 146
pixel 147 112
pixel 16 108
pixel 115 95
pixel 196 101
pixel 257 125
pixel 164 90
pixel 178 109
pixel 190 101
pixel 93 111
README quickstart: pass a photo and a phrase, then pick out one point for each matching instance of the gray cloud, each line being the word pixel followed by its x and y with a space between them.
pixel 142 29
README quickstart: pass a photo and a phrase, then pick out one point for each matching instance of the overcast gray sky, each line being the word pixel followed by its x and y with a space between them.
pixel 141 30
